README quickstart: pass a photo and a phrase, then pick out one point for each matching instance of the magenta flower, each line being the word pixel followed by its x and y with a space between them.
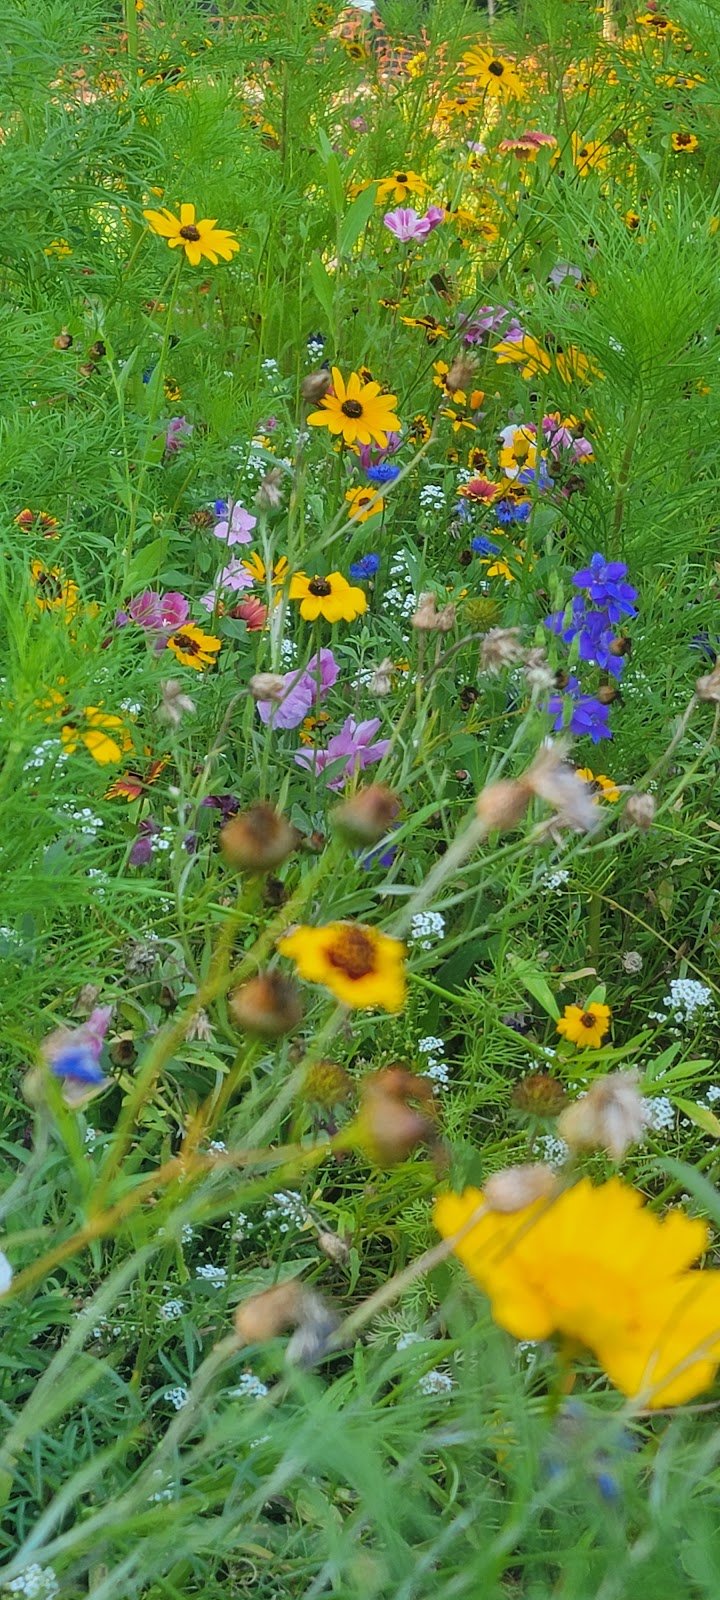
pixel 434 215
pixel 235 529
pixel 406 224
pixel 177 434
pixel 159 612
pixel 304 687
pixel 354 742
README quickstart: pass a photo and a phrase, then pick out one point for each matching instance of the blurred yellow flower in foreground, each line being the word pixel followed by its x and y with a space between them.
pixel 360 965
pixel 594 1265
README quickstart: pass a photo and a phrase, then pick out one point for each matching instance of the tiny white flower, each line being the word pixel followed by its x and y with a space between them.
pixel 177 1396
pixel 212 1274
pixel 249 1388
pixel 171 1310
pixel 435 1382
pixel 659 1113
pixel 426 927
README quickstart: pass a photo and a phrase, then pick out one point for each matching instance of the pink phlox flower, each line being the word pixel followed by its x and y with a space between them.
pixel 406 224
pixel 355 742
pixel 236 528
pixel 304 687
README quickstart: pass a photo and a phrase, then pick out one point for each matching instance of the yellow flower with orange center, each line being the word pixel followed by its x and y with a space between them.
pixel 197 238
pixel 332 598
pixel 53 591
pixel 362 967
pixel 525 353
pixel 585 1026
pixel 357 410
pixel 194 648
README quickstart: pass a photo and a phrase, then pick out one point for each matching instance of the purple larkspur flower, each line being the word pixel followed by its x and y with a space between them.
pixel 603 581
pixel 355 743
pixel 588 717
pixel 405 224
pixel 304 687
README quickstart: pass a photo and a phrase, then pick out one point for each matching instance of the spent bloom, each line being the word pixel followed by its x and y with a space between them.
pixel 610 1116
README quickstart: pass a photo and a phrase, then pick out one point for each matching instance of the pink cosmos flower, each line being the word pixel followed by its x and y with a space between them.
pixel 434 215
pixel 489 319
pixel 233 577
pixel 355 743
pixel 235 529
pixel 304 687
pixel 159 612
pixel 406 224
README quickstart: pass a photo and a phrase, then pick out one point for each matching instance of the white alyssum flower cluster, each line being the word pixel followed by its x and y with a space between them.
pixel 435 1382
pixel 431 496
pixel 687 1002
pixel 211 1273
pixel 171 1311
pixel 659 1113
pixel 35 1583
pixel 436 1070
pixel 177 1396
pixel 249 1388
pixel 286 1211
pixel 426 927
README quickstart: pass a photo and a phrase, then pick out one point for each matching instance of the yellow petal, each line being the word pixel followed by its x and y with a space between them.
pixel 187 215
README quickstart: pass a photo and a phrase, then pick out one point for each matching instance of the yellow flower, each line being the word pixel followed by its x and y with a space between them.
pixel 684 142
pixel 359 411
pixel 588 153
pixel 399 185
pixel 332 598
pixel 494 75
pixel 361 966
pixel 57 248
pixel 525 353
pixel 193 647
pixel 594 1265
pixel 53 591
pixel 586 1027
pixel 360 498
pixel 197 239
pixel 434 330
pixel 604 787
pixel 574 367
pixel 104 735
pixel 520 452
pixel 255 565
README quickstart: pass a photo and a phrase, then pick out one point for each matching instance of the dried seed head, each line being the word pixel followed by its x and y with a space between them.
pixel 267 686
pixel 381 681
pixel 326 1084
pixel 313 1333
pixel 389 1128
pixel 554 781
pixel 518 1187
pixel 640 811
pixel 460 373
pixel 269 495
pixel 201 518
pixel 539 675
pixel 334 1248
pixel 258 839
pixel 708 688
pixel 175 703
pixel 264 1316
pixel 268 1005
pixel 63 341
pixel 427 618
pixel 315 385
pixel 87 999
pixel 367 815
pixel 122 1050
pixel 199 1028
pixel 501 806
pixel 610 1117
pixel 500 648
pixel 539 1095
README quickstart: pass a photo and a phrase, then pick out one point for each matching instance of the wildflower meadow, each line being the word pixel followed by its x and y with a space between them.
pixel 360 800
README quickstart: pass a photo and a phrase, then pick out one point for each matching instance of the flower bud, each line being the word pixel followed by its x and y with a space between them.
pixel 367 815
pixel 427 618
pixel 267 686
pixel 610 1117
pixel 122 1051
pixel 315 385
pixel 269 495
pixel 539 1095
pixel 640 811
pixel 255 840
pixel 268 1005
pixel 518 1187
pixel 326 1084
pixel 502 805
pixel 63 341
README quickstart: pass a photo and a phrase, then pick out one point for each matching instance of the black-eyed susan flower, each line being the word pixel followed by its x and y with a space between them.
pixel 684 143
pixel 197 238
pixel 604 787
pixel 358 411
pixel 103 734
pixel 255 565
pixel 53 591
pixel 361 966
pixel 332 598
pixel 399 185
pixel 585 1026
pixel 494 75
pixel 193 648
pixel 434 330
pixel 588 155
pixel 363 503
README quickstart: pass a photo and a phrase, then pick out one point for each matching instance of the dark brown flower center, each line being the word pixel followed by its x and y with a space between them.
pixel 320 588
pixel 401 177
pixel 353 953
pixel 588 1020
pixel 190 232
pixel 184 642
pixel 496 68
pixel 49 586
pixel 352 408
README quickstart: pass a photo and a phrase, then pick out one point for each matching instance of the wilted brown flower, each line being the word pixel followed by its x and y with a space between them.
pixel 267 686
pixel 388 1126
pixel 381 681
pixel 334 1248
pixel 500 648
pixel 518 1187
pixel 502 805
pixel 539 1095
pixel 268 1005
pixel 269 495
pixel 122 1050
pixel 640 811
pixel 708 688
pixel 539 675
pixel 199 1028
pixel 257 839
pixel 63 341
pixel 554 781
pixel 315 385
pixel 460 374
pixel 610 1117
pixel 367 815
pixel 288 1305
pixel 427 618
pixel 175 703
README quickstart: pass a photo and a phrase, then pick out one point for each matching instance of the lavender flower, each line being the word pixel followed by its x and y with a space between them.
pixel 303 688
pixel 354 743
pixel 235 528
pixel 406 224
pixel 177 435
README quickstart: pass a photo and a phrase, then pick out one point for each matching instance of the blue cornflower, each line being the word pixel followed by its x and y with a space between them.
pixel 366 567
pixel 384 472
pixel 220 508
pixel 77 1061
pixel 603 580
pixel 541 477
pixel 484 547
pixel 513 510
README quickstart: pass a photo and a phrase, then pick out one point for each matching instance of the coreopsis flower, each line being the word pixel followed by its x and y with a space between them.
pixel 585 1026
pixel 603 787
pixel 104 735
pixel 495 75
pixel 588 154
pixel 684 143
pixel 255 565
pixel 132 785
pixel 524 352
pixel 483 490
pixel 364 503
pixel 332 598
pixel 194 648
pixel 399 185
pixel 197 238
pixel 434 330
pixel 362 967
pixel 53 591
pixel 359 411
pixel 594 1265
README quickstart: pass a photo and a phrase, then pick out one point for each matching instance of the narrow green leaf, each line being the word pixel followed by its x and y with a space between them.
pixel 357 218
pixel 323 285
pixel 535 984
pixel 701 1116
